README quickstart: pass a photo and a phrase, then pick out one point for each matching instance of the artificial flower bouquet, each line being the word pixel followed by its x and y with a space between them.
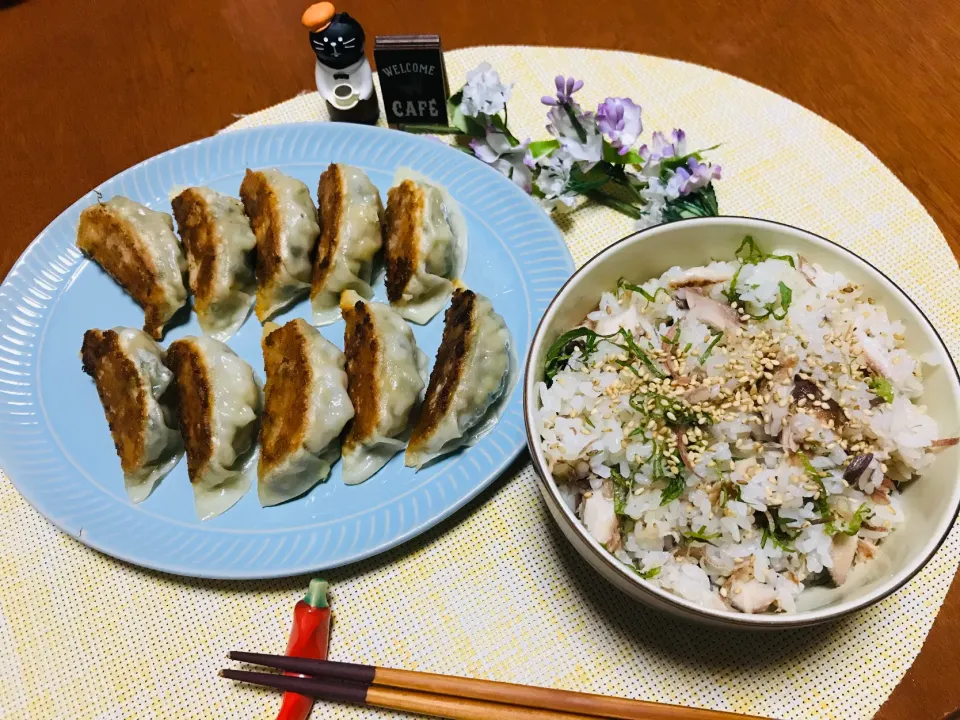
pixel 589 155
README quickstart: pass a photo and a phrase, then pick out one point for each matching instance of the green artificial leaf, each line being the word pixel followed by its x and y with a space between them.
pixel 575 121
pixel 702 203
pixel 543 147
pixel 670 164
pixel 708 198
pixel 612 155
pixel 583 182
pixel 698 154
pixel 500 124
pixel 630 184
pixel 466 125
pixel 430 130
pixel 614 203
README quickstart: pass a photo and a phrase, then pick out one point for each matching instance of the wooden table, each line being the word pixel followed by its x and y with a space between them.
pixel 89 89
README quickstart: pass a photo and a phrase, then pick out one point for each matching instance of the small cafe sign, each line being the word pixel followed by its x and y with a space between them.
pixel 413 79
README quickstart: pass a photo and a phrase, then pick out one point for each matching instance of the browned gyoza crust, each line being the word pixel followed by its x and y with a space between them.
pixel 122 394
pixel 116 247
pixel 200 237
pixel 261 206
pixel 458 335
pixel 363 351
pixel 194 395
pixel 404 224
pixel 330 195
pixel 287 393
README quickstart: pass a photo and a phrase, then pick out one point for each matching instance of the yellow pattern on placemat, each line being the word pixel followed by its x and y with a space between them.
pixel 496 591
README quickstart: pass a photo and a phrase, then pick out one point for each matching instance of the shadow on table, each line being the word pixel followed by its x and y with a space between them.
pixel 297 583
pixel 684 641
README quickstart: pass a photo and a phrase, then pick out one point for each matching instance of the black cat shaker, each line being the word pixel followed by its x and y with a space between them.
pixel 343 75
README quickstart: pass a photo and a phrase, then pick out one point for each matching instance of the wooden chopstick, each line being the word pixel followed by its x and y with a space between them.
pixel 529 696
pixel 441 706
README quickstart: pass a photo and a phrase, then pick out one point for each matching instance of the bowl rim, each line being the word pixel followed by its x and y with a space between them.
pixel 727 617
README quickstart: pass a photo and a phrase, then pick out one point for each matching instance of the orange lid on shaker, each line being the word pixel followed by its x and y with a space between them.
pixel 318 16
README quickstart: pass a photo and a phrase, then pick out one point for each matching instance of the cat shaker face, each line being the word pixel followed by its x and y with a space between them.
pixel 339 44
pixel 341 70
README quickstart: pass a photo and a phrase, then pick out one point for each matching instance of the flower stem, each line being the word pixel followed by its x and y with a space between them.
pixel 575 121
pixel 506 119
pixel 431 129
pixel 617 204
pixel 625 183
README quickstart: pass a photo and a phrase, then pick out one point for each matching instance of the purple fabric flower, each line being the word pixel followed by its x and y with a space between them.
pixel 514 161
pixel 566 87
pixel 695 176
pixel 662 148
pixel 678 183
pixel 701 174
pixel 619 120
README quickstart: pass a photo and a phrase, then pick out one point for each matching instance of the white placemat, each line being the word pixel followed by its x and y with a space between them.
pixel 495 591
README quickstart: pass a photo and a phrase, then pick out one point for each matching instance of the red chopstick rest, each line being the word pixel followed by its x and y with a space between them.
pixel 309 638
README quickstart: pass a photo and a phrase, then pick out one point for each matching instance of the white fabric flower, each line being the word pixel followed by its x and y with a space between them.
pixel 656 194
pixel 514 161
pixel 484 93
pixel 663 147
pixel 562 128
pixel 553 179
pixel 619 119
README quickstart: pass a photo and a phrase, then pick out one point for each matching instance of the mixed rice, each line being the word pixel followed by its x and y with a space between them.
pixel 736 432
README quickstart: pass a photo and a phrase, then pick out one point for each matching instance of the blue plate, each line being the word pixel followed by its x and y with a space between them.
pixel 54 441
